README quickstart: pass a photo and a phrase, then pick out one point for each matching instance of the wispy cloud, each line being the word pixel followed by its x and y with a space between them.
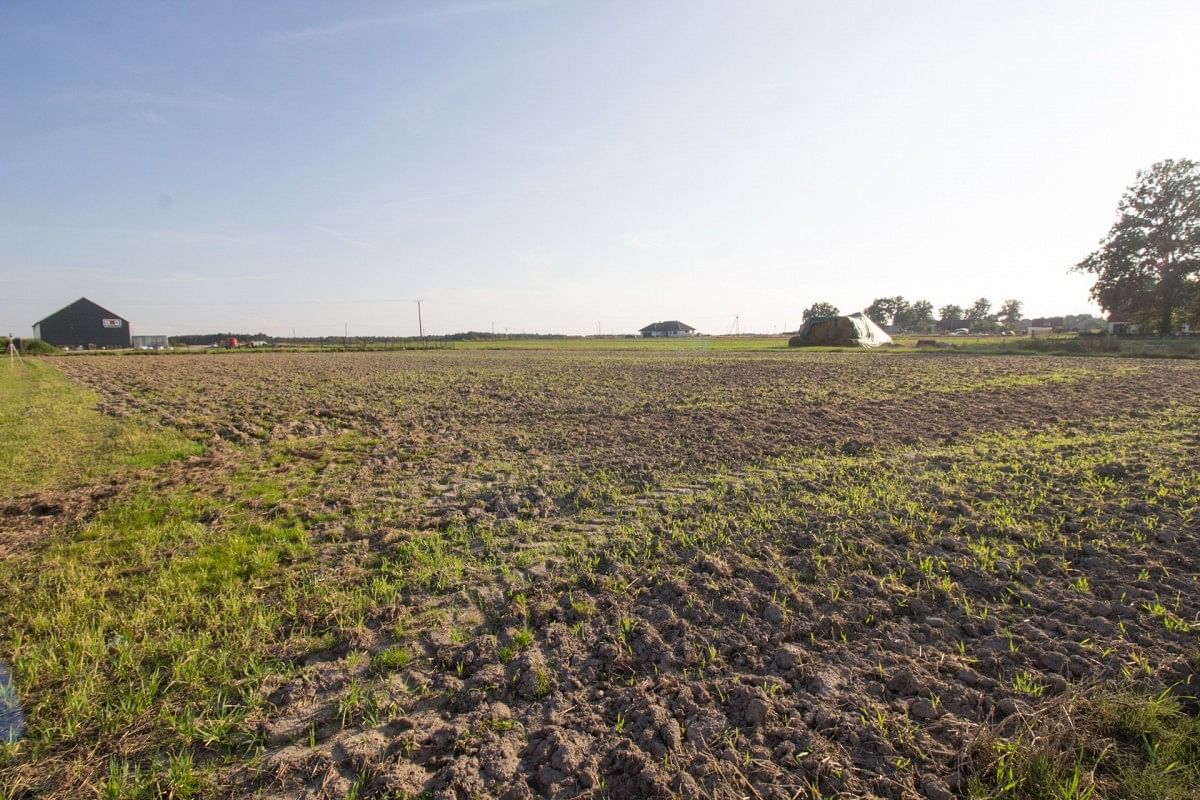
pixel 167 279
pixel 126 96
pixel 165 237
pixel 151 117
pixel 663 243
pixel 341 237
pixel 184 238
pixel 432 13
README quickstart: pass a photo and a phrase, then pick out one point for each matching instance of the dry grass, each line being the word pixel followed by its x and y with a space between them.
pixel 1105 742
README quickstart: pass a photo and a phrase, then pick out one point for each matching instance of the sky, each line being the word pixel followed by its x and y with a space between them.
pixel 568 167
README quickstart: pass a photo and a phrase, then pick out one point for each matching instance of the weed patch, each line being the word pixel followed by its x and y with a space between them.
pixel 150 628
pixel 1106 744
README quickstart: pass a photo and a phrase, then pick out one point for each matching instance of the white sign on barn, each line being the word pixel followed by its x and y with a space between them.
pixel 111 323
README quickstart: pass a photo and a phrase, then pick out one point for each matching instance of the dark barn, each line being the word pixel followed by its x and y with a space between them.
pixel 83 324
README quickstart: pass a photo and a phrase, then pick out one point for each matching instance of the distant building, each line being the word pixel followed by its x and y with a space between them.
pixel 83 324
pixel 1054 323
pixel 670 328
pixel 1120 327
pixel 151 342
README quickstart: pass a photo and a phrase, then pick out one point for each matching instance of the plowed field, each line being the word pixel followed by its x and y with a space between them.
pixel 567 574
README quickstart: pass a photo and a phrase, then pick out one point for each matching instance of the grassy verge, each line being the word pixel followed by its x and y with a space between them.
pixel 1126 743
pixel 1068 345
pixel 31 347
pixel 52 436
pixel 137 642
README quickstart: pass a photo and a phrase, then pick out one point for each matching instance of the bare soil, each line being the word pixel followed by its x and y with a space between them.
pixel 691 575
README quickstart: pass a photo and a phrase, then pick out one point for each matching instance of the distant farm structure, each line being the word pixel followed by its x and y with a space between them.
pixel 845 330
pixel 670 328
pixel 84 325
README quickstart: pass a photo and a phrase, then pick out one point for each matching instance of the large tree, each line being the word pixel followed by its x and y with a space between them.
pixel 950 313
pixel 821 309
pixel 1148 267
pixel 916 316
pixel 980 311
pixel 883 310
pixel 1010 312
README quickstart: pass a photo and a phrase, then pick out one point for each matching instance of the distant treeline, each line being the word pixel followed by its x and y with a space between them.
pixel 218 338
pixel 205 339
pixel 484 336
pixel 920 316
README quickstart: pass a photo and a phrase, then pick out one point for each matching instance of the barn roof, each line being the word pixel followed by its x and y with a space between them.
pixel 84 305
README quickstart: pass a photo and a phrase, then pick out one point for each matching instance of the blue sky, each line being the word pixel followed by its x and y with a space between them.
pixel 550 166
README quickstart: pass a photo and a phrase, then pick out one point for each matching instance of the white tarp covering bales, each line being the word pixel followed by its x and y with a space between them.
pixel 847 330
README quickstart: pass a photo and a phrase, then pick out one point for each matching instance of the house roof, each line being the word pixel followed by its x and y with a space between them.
pixel 670 326
pixel 88 305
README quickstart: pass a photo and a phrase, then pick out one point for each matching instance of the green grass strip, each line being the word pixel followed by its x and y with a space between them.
pixel 53 437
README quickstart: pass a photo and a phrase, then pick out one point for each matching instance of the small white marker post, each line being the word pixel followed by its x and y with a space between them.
pixel 13 351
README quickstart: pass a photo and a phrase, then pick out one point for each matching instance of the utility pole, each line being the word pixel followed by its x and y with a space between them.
pixel 420 324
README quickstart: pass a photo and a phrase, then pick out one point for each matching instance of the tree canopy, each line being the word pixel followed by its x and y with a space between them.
pixel 821 309
pixel 897 311
pixel 884 309
pixel 1148 266
pixel 1010 311
pixel 950 313
pixel 916 316
pixel 980 311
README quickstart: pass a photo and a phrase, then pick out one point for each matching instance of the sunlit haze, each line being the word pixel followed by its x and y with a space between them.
pixel 564 166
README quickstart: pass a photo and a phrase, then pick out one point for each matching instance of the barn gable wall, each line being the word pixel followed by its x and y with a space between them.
pixel 81 324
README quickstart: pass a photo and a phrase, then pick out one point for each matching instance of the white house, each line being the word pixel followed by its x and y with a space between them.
pixel 670 328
